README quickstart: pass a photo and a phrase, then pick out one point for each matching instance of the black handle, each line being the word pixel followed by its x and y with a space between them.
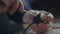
pixel 37 19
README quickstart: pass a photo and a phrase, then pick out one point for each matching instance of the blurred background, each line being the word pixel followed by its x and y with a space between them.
pixel 48 5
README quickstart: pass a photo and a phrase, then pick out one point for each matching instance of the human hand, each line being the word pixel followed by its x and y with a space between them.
pixel 40 27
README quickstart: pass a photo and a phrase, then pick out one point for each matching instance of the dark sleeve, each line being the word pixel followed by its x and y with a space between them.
pixel 6 27
pixel 17 17
pixel 4 23
pixel 16 27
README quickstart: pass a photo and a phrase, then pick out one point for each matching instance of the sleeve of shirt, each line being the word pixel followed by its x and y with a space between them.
pixel 16 27
pixel 8 28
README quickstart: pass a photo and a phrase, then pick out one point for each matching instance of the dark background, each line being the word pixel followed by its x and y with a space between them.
pixel 52 6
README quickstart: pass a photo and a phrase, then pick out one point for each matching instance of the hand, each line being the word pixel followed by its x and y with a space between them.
pixel 40 27
pixel 47 19
pixel 12 9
